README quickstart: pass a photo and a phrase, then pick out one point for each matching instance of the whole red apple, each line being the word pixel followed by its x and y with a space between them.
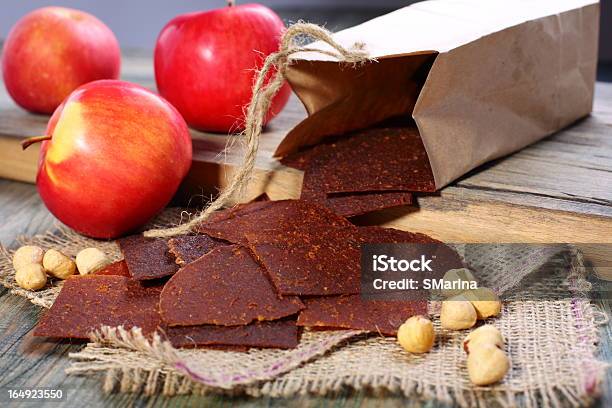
pixel 115 155
pixel 205 64
pixel 52 51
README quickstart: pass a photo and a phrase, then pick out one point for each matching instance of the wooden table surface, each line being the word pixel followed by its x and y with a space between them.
pixel 559 189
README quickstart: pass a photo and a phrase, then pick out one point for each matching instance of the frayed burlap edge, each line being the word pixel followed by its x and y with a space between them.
pixel 139 355
pixel 131 363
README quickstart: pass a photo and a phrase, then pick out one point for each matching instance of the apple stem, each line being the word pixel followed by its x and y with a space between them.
pixel 230 3
pixel 31 140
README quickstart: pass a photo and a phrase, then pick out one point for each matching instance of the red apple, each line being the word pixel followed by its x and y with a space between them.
pixel 52 51
pixel 115 155
pixel 205 64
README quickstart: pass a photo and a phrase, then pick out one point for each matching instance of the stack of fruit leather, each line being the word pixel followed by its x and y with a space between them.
pixel 365 171
pixel 249 276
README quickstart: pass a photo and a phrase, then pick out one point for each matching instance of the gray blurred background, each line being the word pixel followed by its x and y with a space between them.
pixel 136 23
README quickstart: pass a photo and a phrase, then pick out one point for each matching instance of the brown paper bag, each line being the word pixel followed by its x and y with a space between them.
pixel 481 78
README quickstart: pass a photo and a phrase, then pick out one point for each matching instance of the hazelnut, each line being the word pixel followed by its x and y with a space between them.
pixel 28 254
pixel 58 265
pixel 457 313
pixel 31 276
pixel 459 276
pixel 487 364
pixel 485 301
pixel 487 334
pixel 416 335
pixel 90 260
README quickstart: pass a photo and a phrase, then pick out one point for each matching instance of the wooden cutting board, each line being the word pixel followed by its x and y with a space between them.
pixel 557 190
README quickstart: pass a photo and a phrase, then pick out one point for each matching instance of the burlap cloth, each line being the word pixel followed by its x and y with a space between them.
pixel 552 344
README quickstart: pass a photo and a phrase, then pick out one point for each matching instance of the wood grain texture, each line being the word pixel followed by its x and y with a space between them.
pixel 21 212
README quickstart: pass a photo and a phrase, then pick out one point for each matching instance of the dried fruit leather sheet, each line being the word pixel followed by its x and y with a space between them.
pixel 188 248
pixel 318 260
pixel 266 334
pixel 264 215
pixel 353 204
pixel 446 257
pixel 370 160
pixel 147 258
pixel 300 160
pixel 352 312
pixel 262 197
pixel 87 302
pixel 443 259
pixel 312 259
pixel 224 287
pixel 229 212
pixel 118 268
pixel 375 234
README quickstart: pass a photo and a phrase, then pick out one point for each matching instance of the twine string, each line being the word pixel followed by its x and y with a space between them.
pixel 258 108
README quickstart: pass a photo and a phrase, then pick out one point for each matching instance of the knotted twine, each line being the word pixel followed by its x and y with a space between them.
pixel 260 104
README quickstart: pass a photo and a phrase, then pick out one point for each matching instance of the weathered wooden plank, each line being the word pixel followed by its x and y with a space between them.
pixel 18 164
pixel 21 211
pixel 559 176
pixel 467 220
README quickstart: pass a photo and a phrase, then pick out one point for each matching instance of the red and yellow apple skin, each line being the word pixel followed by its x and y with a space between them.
pixel 116 156
pixel 206 62
pixel 52 51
